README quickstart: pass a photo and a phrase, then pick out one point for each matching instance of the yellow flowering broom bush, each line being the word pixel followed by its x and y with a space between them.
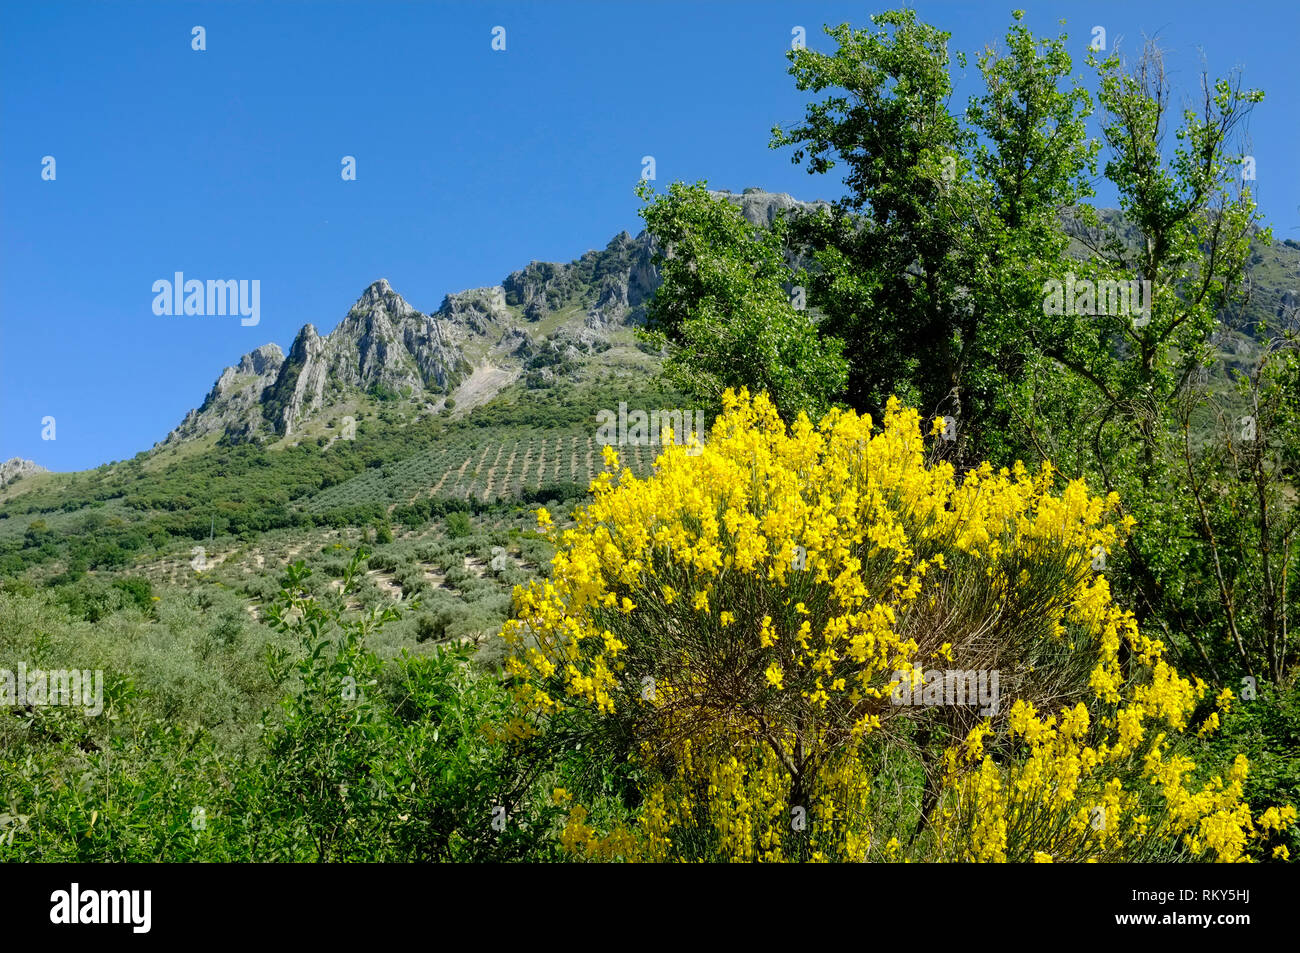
pixel 742 624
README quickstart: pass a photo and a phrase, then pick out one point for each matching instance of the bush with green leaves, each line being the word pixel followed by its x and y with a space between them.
pixel 362 760
pixel 458 525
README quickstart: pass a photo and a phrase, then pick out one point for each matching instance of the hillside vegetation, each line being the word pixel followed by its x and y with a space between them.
pixel 394 595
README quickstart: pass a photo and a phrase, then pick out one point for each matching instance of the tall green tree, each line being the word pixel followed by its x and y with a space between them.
pixel 930 268
pixel 727 308
pixel 884 261
pixel 965 271
pixel 1187 226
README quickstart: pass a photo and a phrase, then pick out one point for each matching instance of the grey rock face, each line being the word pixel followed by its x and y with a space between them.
pixel 438 360
pixel 479 311
pixel 234 403
pixel 262 361
pixel 543 286
pixel 15 468
pixel 386 348
pixel 383 347
pixel 762 208
pixel 609 287
pixel 515 343
pixel 300 385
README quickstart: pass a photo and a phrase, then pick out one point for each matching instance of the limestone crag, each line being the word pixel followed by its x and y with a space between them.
pixel 15 468
pixel 385 349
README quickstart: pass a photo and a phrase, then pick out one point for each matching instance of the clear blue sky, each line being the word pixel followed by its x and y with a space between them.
pixel 470 163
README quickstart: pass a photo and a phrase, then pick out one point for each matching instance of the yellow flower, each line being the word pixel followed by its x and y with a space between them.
pixel 864 560
pixel 775 677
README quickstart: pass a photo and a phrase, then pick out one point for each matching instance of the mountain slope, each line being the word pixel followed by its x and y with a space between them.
pixel 271 447
pixel 541 320
pixel 14 469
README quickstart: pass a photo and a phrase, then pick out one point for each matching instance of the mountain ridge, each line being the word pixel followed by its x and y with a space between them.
pixel 544 316
pixel 386 348
pixel 15 468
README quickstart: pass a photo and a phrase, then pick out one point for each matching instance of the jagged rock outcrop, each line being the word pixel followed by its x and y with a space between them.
pixel 382 347
pixel 234 404
pixel 478 311
pixel 516 343
pixel 300 385
pixel 762 208
pixel 387 349
pixel 541 287
pixel 608 288
pixel 15 468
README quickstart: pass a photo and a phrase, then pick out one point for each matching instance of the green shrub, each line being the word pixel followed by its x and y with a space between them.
pixel 458 525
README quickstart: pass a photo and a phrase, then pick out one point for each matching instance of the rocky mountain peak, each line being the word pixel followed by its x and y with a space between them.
pixel 476 311
pixel 761 207
pixel 303 340
pixel 381 298
pixel 234 403
pixel 16 468
pixel 261 361
pixel 385 349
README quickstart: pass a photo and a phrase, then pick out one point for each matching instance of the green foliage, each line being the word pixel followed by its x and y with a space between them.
pixel 458 525
pixel 935 295
pixel 1266 729
pixel 138 590
pixel 115 516
pixel 725 306
pixel 934 274
pixel 361 759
